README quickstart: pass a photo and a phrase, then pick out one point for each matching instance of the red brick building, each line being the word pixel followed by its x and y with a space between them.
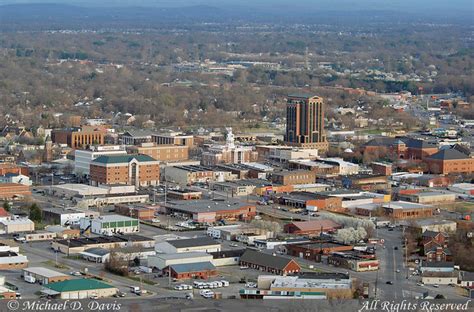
pixel 203 270
pixel 12 168
pixel 400 148
pixel 379 168
pixel 311 201
pixel 407 210
pixel 314 250
pixel 448 161
pixel 138 170
pixel 11 190
pixel 145 213
pixel 269 263
pixel 314 227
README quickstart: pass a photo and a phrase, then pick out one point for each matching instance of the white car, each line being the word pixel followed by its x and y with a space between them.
pixel 225 283
pixel 179 287
pixel 218 283
pixel 251 285
pixel 205 291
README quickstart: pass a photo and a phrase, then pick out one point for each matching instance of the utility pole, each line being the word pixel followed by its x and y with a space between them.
pixel 169 276
pixel 376 283
pixel 406 256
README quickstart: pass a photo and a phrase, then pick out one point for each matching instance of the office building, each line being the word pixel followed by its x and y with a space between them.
pixel 173 139
pixel 79 137
pixel 83 158
pixel 164 153
pixel 305 121
pixel 138 170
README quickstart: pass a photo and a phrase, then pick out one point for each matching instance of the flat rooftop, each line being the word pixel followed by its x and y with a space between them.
pixel 433 222
pixel 304 196
pixel 45 272
pixel 404 205
pixel 323 244
pixel 204 205
pixel 113 218
pixel 181 255
pixel 85 241
pixel 432 193
pixel 326 282
pixel 194 168
pixel 246 182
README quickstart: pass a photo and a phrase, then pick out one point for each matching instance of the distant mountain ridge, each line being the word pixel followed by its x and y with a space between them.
pixel 23 15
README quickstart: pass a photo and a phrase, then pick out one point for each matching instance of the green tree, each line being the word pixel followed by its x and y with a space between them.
pixel 7 206
pixel 35 213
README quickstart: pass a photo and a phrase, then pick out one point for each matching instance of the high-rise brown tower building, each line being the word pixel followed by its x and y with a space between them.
pixel 305 122
pixel 48 150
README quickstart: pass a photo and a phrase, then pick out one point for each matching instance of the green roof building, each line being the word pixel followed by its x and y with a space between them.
pixel 134 169
pixel 79 289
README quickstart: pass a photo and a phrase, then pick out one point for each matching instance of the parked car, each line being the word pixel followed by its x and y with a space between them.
pixel 389 283
pixel 251 285
pixel 204 291
pixel 225 283
pixel 119 294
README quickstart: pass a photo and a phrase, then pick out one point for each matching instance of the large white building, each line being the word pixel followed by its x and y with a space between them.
pixel 83 158
pixel 16 225
pixel 110 225
pixel 16 178
pixel 198 244
pixel 95 196
pixel 161 261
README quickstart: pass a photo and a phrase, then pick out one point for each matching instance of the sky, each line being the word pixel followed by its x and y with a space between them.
pixel 401 5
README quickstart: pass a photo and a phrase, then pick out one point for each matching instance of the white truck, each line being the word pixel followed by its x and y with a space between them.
pixel 135 289
pixel 30 279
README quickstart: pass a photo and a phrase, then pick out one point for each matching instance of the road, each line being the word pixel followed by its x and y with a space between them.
pixel 403 287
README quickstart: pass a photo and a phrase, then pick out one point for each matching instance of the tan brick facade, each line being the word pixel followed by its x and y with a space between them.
pixel 167 153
